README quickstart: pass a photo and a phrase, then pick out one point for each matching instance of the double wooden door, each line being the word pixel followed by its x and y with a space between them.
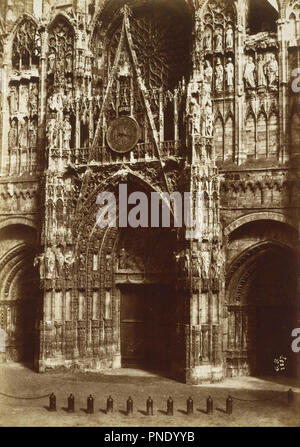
pixel 146 319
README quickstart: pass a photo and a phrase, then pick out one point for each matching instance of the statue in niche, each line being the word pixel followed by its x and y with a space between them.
pixel 207 39
pixel 208 76
pixel 23 101
pixel 49 263
pixel 13 135
pixel 250 73
pixel 51 63
pixel 23 134
pixel 56 102
pixel 124 66
pixel 229 37
pixel 13 100
pixel 33 99
pixel 209 119
pixel 218 40
pixel 32 133
pixel 67 133
pixel 229 74
pixel 219 75
pixel 261 72
pixel 205 269
pixel 195 114
pixel 272 72
pixel 69 261
pixel 52 133
pixel 69 62
pixel 60 262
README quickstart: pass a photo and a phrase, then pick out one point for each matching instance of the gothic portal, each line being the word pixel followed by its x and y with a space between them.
pixel 197 96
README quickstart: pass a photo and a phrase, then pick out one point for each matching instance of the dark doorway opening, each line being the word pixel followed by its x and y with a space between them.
pixel 274 315
pixel 146 320
pixel 274 355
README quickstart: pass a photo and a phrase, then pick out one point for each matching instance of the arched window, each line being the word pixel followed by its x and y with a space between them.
pixel 26 46
pixel 61 56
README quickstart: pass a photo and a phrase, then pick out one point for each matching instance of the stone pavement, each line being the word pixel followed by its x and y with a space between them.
pixel 268 396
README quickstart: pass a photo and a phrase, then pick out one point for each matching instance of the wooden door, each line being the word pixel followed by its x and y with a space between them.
pixel 132 318
pixel 147 313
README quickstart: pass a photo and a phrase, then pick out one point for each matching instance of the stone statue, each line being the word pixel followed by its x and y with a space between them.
pixel 49 263
pixel 124 67
pixel 208 75
pixel 229 37
pixel 60 262
pixel 51 63
pixel 52 133
pixel 23 101
pixel 250 73
pixel 208 119
pixel 69 63
pixel 32 133
pixel 69 261
pixel 218 40
pixel 195 114
pixel 229 73
pixel 13 100
pixel 67 133
pixel 13 135
pixel 219 75
pixel 272 72
pixel 261 69
pixel 23 134
pixel 33 99
pixel 207 39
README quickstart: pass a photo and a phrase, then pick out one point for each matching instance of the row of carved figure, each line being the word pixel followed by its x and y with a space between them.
pixel 262 73
pixel 22 134
pixel 54 263
pixel 55 128
pixel 23 98
pixel 219 74
pixel 217 40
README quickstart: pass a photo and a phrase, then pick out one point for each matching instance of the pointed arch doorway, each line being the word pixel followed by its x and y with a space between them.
pixel 19 301
pixel 262 312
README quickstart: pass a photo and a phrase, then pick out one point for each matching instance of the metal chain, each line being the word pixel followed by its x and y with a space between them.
pixel 257 400
pixel 25 398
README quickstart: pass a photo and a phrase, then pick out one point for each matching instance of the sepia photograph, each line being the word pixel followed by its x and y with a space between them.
pixel 150 216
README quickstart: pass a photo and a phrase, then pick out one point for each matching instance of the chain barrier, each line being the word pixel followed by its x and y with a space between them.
pixel 25 398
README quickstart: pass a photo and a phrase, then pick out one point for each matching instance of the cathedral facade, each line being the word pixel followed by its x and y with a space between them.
pixel 165 96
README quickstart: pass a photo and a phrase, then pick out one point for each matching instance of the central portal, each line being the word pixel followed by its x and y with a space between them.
pixel 146 318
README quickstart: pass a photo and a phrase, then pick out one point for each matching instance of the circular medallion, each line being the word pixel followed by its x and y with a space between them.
pixel 123 134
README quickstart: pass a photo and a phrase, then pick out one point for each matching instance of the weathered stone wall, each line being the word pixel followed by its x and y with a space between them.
pixel 222 121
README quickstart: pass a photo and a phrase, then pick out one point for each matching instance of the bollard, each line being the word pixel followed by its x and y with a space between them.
pixel 90 404
pixel 129 406
pixel 149 406
pixel 229 403
pixel 170 406
pixel 209 405
pixel 109 405
pixel 190 406
pixel 52 402
pixel 71 404
pixel 290 396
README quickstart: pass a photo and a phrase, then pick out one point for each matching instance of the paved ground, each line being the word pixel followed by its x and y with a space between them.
pixel 268 407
